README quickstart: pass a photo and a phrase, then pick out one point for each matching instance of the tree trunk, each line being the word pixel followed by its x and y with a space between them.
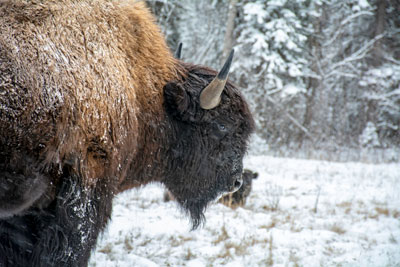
pixel 380 17
pixel 313 83
pixel 230 26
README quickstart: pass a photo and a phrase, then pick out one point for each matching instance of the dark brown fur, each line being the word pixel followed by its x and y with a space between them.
pixel 93 103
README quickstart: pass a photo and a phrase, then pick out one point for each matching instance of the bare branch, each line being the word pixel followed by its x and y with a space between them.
pixel 359 54
pixel 290 117
pixel 343 23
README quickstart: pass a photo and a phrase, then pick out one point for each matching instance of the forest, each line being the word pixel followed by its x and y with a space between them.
pixel 322 77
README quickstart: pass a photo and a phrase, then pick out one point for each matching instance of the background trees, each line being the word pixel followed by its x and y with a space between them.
pixel 319 74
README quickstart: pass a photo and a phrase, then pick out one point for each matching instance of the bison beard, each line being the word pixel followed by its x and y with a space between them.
pixel 93 103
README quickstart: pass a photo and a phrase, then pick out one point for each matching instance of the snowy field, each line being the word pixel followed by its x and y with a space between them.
pixel 299 213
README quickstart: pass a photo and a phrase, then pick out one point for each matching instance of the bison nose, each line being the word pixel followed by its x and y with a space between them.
pixel 237 184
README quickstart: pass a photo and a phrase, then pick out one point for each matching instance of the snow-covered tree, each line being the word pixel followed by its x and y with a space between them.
pixel 339 49
pixel 382 91
pixel 199 25
pixel 317 73
pixel 271 44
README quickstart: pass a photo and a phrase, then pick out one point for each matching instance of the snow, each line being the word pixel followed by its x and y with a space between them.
pixel 291 89
pixel 363 3
pixel 255 9
pixel 281 36
pixel 369 136
pixel 326 214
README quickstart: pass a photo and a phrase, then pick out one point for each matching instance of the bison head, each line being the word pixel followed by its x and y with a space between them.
pixel 211 126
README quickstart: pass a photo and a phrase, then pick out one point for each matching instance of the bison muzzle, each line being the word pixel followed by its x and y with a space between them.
pixel 238 198
pixel 92 103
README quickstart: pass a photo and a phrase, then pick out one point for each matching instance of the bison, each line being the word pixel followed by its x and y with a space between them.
pixel 92 103
pixel 239 197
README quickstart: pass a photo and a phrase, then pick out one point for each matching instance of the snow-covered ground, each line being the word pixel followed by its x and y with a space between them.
pixel 299 213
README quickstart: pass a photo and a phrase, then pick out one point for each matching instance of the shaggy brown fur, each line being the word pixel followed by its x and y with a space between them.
pixel 113 48
pixel 93 103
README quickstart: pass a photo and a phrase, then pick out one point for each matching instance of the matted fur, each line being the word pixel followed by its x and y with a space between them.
pixel 92 103
pixel 113 48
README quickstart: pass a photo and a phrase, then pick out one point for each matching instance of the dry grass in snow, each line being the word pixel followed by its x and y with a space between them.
pixel 300 213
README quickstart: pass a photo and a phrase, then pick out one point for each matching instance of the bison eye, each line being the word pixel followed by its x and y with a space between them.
pixel 218 130
pixel 222 127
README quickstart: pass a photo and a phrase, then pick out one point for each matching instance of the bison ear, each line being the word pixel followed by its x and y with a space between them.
pixel 176 98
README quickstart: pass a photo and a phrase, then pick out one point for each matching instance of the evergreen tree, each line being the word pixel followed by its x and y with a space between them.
pixel 271 44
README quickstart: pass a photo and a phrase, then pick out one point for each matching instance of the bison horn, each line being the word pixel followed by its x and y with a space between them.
pixel 211 95
pixel 178 51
